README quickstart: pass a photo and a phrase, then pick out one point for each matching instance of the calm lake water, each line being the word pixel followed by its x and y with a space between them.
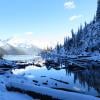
pixel 19 57
pixel 83 81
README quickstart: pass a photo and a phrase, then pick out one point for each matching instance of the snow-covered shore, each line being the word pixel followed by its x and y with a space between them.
pixel 53 93
pixel 19 82
pixel 26 84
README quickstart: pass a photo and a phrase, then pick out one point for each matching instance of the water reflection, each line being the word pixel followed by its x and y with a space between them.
pixel 87 78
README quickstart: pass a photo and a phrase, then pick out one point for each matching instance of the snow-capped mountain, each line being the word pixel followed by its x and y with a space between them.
pixel 18 46
pixel 24 44
pixel 86 41
pixel 6 48
pixel 91 40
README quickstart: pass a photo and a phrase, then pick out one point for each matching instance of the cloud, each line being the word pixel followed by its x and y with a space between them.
pixel 69 5
pixel 75 17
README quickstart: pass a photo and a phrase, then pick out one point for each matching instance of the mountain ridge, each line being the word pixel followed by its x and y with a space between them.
pixel 9 47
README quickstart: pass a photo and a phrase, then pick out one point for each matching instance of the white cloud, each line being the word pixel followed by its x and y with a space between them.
pixel 75 17
pixel 69 5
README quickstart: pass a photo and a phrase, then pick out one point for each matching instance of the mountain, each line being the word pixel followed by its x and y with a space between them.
pixel 9 49
pixel 13 46
pixel 24 44
pixel 85 41
pixel 91 38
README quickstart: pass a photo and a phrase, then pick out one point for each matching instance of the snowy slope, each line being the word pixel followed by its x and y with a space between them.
pixel 92 37
pixel 85 41
pixel 6 95
pixel 18 46
pixel 24 44
pixel 6 48
pixel 13 96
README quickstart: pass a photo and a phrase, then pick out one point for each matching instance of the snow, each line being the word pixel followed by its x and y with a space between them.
pixel 89 45
pixel 22 42
pixel 6 95
pixel 58 94
pixel 18 46
pixel 13 96
pixel 1 43
pixel 7 62
pixel 95 57
pixel 42 75
pixel 23 80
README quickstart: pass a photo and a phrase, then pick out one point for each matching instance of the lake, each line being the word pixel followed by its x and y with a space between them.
pixel 82 81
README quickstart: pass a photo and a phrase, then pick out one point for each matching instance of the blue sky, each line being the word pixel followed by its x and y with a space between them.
pixel 46 20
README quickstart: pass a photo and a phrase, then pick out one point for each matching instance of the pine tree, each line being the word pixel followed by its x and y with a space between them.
pixel 73 38
pixel 58 48
pixel 65 43
pixel 98 11
pixel 94 19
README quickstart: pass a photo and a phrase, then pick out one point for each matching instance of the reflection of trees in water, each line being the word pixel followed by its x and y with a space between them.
pixel 87 77
pixel 90 78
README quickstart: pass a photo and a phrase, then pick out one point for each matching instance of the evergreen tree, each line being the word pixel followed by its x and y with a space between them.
pixel 65 43
pixel 58 48
pixel 73 38
pixel 85 30
pixel 98 11
pixel 79 36
pixel 94 19
pixel 98 15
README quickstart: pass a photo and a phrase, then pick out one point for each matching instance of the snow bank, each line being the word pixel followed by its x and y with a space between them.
pixel 57 94
pixel 13 96
pixel 4 62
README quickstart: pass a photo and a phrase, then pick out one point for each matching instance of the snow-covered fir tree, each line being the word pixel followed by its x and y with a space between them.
pixel 98 11
pixel 85 41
